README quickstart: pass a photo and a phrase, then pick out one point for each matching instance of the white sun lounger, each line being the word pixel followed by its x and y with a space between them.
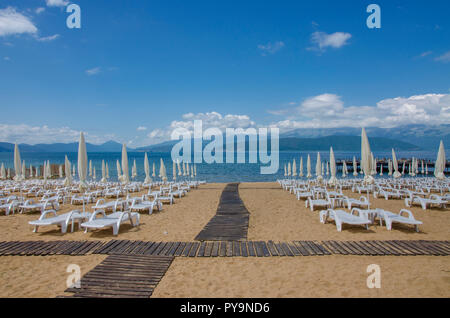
pixel 62 220
pixel 113 220
pixel 112 205
pixel 30 205
pixel 340 217
pixel 317 203
pixel 10 206
pixel 426 202
pixel 139 205
pixel 362 202
pixel 390 218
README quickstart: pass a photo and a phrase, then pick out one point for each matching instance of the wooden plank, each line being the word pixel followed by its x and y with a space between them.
pixel 321 248
pixel 223 249
pixel 272 249
pixel 279 249
pixel 251 249
pixel 187 249
pixel 286 249
pixel 301 249
pixel 193 250
pixel 229 250
pixel 293 248
pixel 313 246
pixel 172 250
pixel 180 249
pixel 236 249
pixel 244 251
pixel 215 249
pixel 201 251
pixel 392 248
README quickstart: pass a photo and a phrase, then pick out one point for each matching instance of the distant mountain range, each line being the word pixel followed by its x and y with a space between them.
pixel 410 137
pixel 424 136
pixel 339 143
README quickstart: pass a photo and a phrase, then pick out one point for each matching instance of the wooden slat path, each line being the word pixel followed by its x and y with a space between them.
pixel 44 248
pixel 123 276
pixel 231 220
pixel 226 248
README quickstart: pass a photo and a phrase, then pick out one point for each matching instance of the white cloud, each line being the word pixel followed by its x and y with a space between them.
pixel 141 128
pixel 48 38
pixel 209 120
pixel 270 48
pixel 328 111
pixel 322 40
pixel 57 3
pixel 426 53
pixel 44 134
pixel 7 58
pixel 13 22
pixel 93 71
pixel 445 58
pixel 39 10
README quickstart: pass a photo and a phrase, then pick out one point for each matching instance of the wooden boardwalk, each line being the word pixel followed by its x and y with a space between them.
pixel 227 248
pixel 123 276
pixel 231 220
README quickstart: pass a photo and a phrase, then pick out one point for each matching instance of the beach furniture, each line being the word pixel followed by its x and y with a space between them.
pixel 62 220
pixel 390 218
pixel 432 200
pixel 362 202
pixel 10 206
pixel 139 205
pixel 341 217
pixel 101 204
pixel 113 220
pixel 30 206
pixel 312 203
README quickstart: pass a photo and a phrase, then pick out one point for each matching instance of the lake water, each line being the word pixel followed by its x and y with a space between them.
pixel 209 172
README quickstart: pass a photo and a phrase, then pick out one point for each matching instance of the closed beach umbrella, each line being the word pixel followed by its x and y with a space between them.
pixel 73 171
pixel 187 169
pixel 294 169
pixel 94 176
pixel 381 169
pixel 134 169
pixel 179 168
pixel 323 168
pixel 423 168
pixel 439 166
pixel 285 170
pixel 44 172
pixel 154 171
pixel 90 168
pixel 308 167
pixel 289 169
pixel 125 171
pixel 31 171
pixel 82 163
pixel 426 168
pixel 147 170
pixel 8 174
pixel 374 165
pixel 344 169
pixel 318 167
pixel 300 170
pixel 366 158
pixel 174 171
pixel 24 170
pixel 61 171
pixel 184 169
pixel 49 169
pixel 397 174
pixel 17 164
pixel 195 170
pixel 103 179
pixel 2 172
pixel 355 167
pixel 68 180
pixel 192 171
pixel 107 171
pixel 162 171
pixel 119 170
pixel 403 169
pixel 333 179
pixel 328 168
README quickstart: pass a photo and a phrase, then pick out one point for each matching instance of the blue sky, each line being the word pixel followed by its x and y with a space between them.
pixel 136 69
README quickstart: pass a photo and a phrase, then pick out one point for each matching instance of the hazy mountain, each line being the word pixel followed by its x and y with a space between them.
pixel 424 136
pixel 110 146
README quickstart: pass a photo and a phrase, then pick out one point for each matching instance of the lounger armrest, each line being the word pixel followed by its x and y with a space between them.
pixel 94 215
pixel 100 201
pixel 409 213
pixel 356 210
pixel 43 215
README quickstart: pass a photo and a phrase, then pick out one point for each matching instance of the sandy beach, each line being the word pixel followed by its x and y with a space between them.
pixel 274 215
